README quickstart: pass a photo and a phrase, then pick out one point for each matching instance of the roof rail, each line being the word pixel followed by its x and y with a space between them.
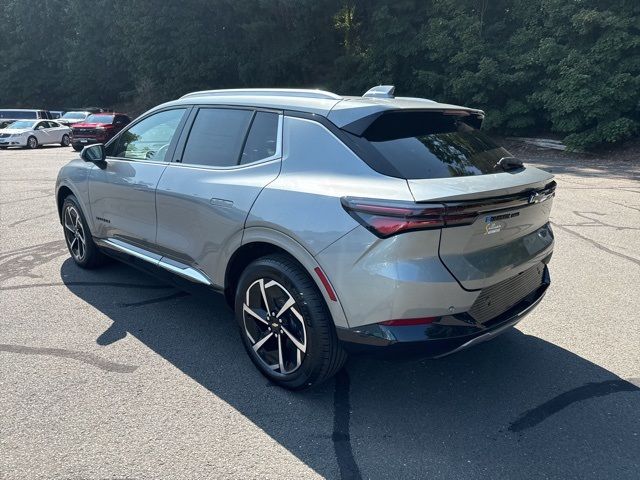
pixel 279 92
pixel 381 91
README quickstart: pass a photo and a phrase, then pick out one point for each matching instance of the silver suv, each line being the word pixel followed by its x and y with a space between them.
pixel 331 224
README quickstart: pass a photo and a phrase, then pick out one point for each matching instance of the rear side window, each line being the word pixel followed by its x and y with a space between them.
pixel 417 145
pixel 262 140
pixel 216 137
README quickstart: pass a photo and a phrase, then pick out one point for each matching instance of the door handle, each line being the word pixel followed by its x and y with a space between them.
pixel 221 202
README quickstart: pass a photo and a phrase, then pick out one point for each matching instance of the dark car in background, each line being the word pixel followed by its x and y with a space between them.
pixel 97 128
pixel 24 114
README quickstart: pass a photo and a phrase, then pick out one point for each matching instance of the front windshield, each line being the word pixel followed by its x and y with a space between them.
pixel 74 115
pixel 99 119
pixel 21 124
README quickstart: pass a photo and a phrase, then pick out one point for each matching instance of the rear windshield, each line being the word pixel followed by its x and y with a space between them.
pixel 17 114
pixel 416 145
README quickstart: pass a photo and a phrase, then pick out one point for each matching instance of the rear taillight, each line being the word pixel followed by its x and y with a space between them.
pixel 385 218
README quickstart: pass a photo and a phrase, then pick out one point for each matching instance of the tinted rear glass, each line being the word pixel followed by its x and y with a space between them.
pixel 417 145
pixel 262 139
pixel 17 114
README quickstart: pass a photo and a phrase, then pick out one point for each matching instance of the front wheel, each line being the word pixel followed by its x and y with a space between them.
pixel 77 148
pixel 82 248
pixel 65 140
pixel 285 324
pixel 32 143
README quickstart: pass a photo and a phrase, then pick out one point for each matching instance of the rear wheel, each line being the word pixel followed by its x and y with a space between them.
pixel 65 140
pixel 285 325
pixel 82 248
pixel 32 142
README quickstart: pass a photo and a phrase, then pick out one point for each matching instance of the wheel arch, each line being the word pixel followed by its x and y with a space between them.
pixel 62 192
pixel 258 242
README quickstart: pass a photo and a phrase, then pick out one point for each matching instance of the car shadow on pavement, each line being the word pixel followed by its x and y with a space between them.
pixel 515 407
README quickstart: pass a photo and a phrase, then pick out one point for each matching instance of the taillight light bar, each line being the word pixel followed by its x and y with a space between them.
pixel 385 218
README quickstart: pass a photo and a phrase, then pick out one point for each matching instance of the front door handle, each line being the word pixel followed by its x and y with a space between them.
pixel 221 202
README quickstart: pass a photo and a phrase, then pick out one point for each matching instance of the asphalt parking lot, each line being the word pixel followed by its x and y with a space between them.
pixel 113 374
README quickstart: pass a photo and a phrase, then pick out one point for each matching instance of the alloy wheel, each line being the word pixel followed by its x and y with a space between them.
pixel 33 143
pixel 274 326
pixel 74 233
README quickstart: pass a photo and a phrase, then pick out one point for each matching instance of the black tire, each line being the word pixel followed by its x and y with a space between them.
pixel 77 148
pixel 65 140
pixel 323 357
pixel 32 142
pixel 3 148
pixel 91 256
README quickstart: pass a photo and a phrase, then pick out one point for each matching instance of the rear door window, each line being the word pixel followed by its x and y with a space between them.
pixel 420 145
pixel 216 137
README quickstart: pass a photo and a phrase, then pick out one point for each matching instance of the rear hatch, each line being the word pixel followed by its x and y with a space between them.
pixel 496 220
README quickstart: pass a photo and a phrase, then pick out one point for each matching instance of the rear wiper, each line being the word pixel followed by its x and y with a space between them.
pixel 509 163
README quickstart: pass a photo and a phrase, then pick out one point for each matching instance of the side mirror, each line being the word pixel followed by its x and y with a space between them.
pixel 94 153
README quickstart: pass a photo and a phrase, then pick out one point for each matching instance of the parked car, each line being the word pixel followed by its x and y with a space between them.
pixel 23 114
pixel 56 114
pixel 33 133
pixel 97 128
pixel 73 117
pixel 331 224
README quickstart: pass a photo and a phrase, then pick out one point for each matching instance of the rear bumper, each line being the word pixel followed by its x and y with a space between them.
pixel 449 335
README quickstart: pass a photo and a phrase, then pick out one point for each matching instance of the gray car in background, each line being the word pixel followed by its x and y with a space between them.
pixel 331 224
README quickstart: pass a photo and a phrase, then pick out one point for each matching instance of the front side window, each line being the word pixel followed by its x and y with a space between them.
pixel 216 137
pixel 148 139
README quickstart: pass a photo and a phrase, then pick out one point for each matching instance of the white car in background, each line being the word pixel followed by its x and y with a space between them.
pixel 69 118
pixel 33 133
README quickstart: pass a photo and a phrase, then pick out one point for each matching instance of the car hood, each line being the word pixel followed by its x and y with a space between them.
pixel 13 131
pixel 91 125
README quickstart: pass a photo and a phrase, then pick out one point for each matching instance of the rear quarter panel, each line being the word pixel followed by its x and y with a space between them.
pixel 317 170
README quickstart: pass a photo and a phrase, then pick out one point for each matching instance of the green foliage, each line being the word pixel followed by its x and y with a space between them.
pixel 571 67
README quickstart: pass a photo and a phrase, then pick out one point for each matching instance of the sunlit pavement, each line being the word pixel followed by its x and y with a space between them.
pixel 113 374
